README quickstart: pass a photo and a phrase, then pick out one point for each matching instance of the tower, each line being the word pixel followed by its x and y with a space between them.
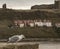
pixel 4 6
pixel 57 4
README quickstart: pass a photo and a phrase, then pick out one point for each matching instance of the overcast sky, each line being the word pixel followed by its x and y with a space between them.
pixel 24 4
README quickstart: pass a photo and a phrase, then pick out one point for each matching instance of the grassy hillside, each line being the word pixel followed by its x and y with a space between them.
pixel 7 15
pixel 28 32
pixel 10 14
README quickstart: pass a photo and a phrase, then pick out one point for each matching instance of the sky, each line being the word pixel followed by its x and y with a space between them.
pixel 24 4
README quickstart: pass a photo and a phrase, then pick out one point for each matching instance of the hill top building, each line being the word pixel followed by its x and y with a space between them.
pixel 4 6
pixel 57 4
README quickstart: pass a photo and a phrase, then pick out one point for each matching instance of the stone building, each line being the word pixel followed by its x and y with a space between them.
pixel 57 4
pixel 4 6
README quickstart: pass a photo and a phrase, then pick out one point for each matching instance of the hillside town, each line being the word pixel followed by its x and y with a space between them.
pixel 33 23
pixel 37 28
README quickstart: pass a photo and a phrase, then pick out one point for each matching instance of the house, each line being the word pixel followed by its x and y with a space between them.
pixel 38 23
pixel 21 25
pixel 47 23
pixel 31 24
pixel 57 24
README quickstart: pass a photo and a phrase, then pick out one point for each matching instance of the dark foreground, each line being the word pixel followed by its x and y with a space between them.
pixel 30 45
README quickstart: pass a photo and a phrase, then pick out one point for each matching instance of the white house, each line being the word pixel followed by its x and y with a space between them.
pixel 47 23
pixel 21 25
pixel 57 24
pixel 38 23
pixel 31 24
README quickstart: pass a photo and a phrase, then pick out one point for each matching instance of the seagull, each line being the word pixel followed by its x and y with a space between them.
pixel 16 38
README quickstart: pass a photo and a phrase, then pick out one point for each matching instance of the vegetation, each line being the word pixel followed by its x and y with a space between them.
pixel 57 30
pixel 35 32
pixel 8 15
